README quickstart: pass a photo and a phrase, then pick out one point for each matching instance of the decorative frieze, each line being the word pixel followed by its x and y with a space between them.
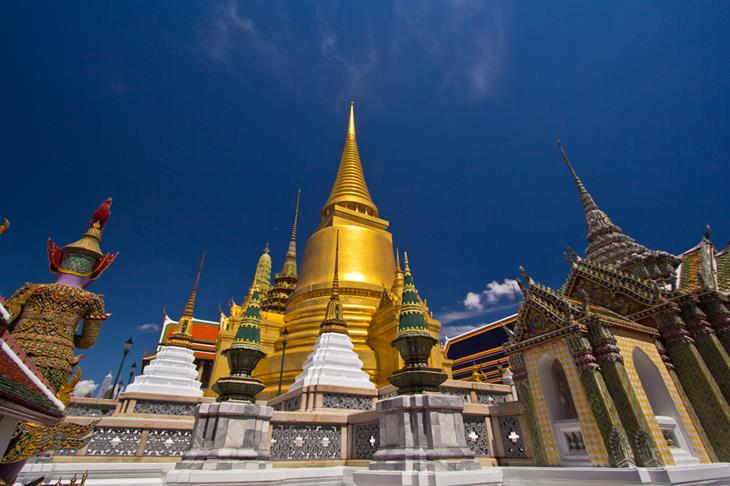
pixel 477 438
pixel 167 443
pixel 293 404
pixel 350 402
pixel 164 408
pixel 366 440
pixel 108 441
pixel 463 394
pixel 80 410
pixel 305 442
pixel 486 398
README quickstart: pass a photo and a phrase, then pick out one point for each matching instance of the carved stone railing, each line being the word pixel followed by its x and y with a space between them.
pixel 319 425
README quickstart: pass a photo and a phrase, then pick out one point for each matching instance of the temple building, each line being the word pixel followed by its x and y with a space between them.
pixel 478 354
pixel 627 363
pixel 371 282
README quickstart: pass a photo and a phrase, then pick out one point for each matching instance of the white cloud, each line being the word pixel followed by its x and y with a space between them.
pixel 496 297
pixel 84 387
pixel 456 49
pixel 149 327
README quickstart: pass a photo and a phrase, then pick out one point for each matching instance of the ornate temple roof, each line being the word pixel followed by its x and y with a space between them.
pixel 350 188
pixel 205 334
pixel 24 391
pixel 703 266
pixel 609 245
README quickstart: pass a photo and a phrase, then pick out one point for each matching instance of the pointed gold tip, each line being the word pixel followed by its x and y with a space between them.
pixel 351 125
pixel 405 262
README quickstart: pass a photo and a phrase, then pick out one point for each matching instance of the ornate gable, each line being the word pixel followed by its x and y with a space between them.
pixel 613 289
pixel 543 315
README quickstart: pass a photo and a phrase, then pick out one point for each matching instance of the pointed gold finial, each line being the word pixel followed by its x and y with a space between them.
pixel 351 124
pixel 190 306
pixel 397 261
pixel 405 261
pixel 350 189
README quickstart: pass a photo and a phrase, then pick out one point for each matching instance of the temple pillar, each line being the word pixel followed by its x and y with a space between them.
pixel 715 307
pixel 517 365
pixel 617 381
pixel 604 411
pixel 696 379
pixel 710 348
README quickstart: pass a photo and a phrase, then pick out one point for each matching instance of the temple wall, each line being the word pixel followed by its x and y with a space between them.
pixel 589 428
pixel 627 344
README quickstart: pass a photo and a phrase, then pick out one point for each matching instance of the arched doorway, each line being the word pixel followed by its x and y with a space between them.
pixel 563 414
pixel 665 411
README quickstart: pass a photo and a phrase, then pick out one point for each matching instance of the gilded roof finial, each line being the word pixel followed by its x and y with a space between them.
pixel 190 306
pixel 350 189
pixel 405 260
pixel 397 261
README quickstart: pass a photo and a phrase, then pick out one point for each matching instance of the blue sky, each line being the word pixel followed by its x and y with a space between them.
pixel 202 119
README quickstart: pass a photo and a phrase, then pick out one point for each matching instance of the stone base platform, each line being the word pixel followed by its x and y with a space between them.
pixel 481 477
pixel 229 435
pixel 423 432
pixel 164 474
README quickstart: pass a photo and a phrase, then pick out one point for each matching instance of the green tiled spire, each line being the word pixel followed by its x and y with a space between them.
pixel 248 334
pixel 412 320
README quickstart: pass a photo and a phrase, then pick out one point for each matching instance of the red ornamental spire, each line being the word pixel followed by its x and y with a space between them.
pixel 102 213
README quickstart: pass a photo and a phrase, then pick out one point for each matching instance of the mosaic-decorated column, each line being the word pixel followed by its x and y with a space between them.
pixel 685 400
pixel 715 307
pixel 617 381
pixel 696 379
pixel 712 351
pixel 604 411
pixel 517 365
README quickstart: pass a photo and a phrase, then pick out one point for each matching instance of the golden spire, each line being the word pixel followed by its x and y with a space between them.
pixel 333 321
pixel 350 189
pixel 398 281
pixel 292 251
pixel 183 335
pixel 190 306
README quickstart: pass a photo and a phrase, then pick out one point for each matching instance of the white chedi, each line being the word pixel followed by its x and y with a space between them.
pixel 172 372
pixel 333 362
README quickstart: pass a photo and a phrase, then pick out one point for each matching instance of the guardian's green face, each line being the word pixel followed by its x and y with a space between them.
pixel 78 263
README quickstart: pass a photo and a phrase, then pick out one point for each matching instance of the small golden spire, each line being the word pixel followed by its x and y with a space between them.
pixel 333 320
pixel 190 306
pixel 350 189
pixel 397 261
pixel 405 260
pixel 292 252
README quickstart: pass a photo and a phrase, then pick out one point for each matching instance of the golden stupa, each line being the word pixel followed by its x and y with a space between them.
pixel 371 283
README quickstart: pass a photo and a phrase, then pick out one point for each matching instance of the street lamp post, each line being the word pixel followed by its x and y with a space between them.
pixel 127 347
pixel 284 336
